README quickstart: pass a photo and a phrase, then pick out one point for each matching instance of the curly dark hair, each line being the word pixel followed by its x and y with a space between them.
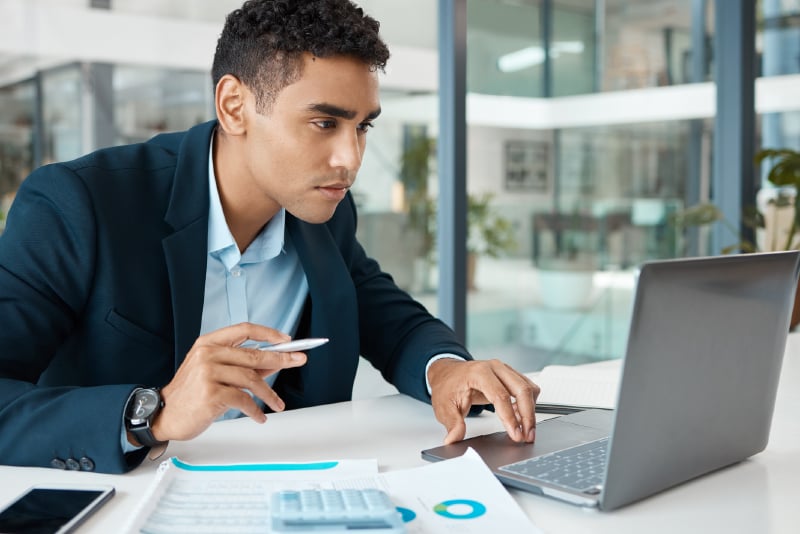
pixel 262 43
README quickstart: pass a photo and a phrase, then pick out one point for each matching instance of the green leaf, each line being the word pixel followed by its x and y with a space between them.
pixel 785 170
pixel 697 215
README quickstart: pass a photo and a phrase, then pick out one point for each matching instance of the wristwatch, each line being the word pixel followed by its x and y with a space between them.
pixel 142 407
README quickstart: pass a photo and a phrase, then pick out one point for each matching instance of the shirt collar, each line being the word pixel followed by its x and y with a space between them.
pixel 268 243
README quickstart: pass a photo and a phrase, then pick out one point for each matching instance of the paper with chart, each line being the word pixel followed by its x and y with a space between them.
pixel 453 496
pixel 460 496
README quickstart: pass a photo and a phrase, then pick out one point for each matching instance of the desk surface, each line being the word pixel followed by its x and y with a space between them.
pixel 757 495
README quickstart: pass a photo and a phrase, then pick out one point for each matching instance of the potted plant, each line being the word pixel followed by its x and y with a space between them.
pixel 785 175
pixel 565 271
pixel 775 217
pixel 776 212
pixel 415 164
pixel 488 233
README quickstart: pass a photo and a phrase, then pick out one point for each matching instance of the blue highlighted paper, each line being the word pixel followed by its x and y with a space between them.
pixel 311 466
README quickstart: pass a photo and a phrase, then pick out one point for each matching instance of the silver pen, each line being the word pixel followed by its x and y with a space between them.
pixel 296 345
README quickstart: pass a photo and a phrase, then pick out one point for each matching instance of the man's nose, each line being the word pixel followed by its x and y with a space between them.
pixel 347 152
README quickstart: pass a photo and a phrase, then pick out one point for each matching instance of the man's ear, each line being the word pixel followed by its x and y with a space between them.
pixel 229 100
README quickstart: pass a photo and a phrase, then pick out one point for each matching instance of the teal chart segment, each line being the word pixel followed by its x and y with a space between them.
pixel 406 514
pixel 474 509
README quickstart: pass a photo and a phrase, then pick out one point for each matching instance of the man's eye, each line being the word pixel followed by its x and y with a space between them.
pixel 325 125
pixel 364 126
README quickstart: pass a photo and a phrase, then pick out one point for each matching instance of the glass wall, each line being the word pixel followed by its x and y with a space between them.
pixel 779 49
pixel 647 43
pixel 142 102
pixel 17 110
pixel 395 193
pixel 563 205
pixel 64 134
pixel 586 201
pixel 148 101
pixel 507 53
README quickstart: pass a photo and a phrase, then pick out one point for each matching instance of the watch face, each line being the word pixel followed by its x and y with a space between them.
pixel 145 403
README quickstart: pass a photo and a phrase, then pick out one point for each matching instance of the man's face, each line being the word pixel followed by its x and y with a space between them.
pixel 304 152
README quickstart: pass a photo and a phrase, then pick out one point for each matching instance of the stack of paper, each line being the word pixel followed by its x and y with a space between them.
pixel 583 386
pixel 459 495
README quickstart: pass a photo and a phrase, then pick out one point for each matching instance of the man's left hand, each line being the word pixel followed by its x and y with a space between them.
pixel 456 385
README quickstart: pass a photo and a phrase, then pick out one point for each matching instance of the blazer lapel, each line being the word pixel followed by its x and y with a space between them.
pixel 185 251
pixel 328 375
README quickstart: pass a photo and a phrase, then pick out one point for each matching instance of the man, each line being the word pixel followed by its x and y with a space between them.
pixel 130 277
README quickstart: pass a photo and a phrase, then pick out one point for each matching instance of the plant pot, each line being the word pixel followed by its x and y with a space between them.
pixel 472 263
pixel 776 204
pixel 566 284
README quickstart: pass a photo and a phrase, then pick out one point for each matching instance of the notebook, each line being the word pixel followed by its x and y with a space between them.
pixel 697 390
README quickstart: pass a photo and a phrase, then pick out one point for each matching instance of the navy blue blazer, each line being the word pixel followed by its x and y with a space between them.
pixel 102 273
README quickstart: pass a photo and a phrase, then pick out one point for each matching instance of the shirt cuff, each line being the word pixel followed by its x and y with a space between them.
pixel 435 358
pixel 126 445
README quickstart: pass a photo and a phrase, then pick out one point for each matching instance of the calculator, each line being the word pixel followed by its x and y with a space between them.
pixel 366 511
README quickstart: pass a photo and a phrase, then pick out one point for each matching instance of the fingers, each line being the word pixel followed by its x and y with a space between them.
pixel 248 379
pixel 267 361
pixel 456 432
pixel 451 412
pixel 514 398
pixel 524 393
pixel 218 375
pixel 456 385
pixel 246 369
pixel 235 335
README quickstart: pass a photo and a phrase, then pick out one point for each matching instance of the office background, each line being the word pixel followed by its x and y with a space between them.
pixel 587 124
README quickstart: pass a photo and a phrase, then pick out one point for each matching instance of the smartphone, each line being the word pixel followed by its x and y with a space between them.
pixel 53 509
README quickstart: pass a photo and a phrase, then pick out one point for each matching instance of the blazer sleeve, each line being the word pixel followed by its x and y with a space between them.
pixel 397 334
pixel 47 254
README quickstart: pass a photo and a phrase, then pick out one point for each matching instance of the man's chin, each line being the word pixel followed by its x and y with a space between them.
pixel 313 218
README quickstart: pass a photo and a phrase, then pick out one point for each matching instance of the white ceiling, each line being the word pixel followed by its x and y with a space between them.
pixel 404 23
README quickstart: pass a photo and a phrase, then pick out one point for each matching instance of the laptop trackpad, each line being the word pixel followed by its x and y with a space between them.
pixel 551 435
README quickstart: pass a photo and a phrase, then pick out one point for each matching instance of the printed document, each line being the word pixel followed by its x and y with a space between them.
pixel 454 496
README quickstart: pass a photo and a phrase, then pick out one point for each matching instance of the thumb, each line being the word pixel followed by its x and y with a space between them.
pixel 451 414
pixel 456 432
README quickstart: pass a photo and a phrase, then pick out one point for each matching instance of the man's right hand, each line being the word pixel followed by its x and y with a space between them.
pixel 213 377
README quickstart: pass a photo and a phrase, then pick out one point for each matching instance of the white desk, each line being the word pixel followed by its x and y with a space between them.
pixel 759 495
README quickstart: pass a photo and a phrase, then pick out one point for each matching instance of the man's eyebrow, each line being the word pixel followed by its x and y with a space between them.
pixel 336 111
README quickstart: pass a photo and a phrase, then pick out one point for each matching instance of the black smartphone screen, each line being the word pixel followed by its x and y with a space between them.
pixel 45 510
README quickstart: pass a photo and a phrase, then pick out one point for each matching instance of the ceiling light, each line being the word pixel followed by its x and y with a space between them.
pixel 534 55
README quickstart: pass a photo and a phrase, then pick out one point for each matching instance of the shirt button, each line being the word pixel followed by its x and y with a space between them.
pixel 73 465
pixel 57 463
pixel 236 273
pixel 87 464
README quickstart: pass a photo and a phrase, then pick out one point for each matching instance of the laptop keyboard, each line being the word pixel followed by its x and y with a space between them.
pixel 579 468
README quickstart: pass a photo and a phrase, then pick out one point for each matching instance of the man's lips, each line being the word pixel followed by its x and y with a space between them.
pixel 334 191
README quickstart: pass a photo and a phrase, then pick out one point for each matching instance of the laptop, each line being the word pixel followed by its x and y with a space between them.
pixel 696 394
